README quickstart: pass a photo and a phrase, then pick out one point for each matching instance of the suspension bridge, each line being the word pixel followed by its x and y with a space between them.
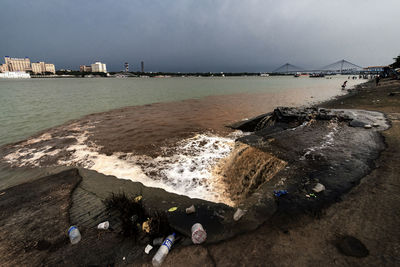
pixel 341 66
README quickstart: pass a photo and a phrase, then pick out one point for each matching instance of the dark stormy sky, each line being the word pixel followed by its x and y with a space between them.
pixel 201 35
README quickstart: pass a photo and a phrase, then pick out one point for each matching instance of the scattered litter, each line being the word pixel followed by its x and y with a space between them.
pixel 138 198
pixel 367 126
pixel 147 249
pixel 318 188
pixel 146 226
pixel 162 252
pixel 190 210
pixel 238 214
pixel 74 235
pixel 311 195
pixel 279 193
pixel 173 209
pixel 103 225
pixel 123 258
pixel 199 235
pixel 2 193
pixel 158 241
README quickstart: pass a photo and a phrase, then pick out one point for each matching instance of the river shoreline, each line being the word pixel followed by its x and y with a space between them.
pixel 211 254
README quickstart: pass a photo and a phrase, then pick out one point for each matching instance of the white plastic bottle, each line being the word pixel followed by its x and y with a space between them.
pixel 74 235
pixel 162 252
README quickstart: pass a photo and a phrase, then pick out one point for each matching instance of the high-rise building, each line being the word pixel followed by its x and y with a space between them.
pixel 4 68
pixel 84 68
pixel 99 67
pixel 18 64
pixel 24 64
pixel 126 67
pixel 36 68
pixel 42 67
pixel 142 66
pixel 50 68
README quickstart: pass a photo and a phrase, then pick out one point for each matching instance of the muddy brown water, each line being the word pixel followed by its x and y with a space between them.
pixel 172 145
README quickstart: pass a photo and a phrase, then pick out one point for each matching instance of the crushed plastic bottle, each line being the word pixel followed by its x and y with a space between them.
pixel 74 235
pixel 162 252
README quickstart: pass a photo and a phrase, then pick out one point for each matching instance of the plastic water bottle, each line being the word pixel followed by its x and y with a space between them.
pixel 74 235
pixel 162 252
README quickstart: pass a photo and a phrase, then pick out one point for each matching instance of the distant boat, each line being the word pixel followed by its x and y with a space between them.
pixel 317 75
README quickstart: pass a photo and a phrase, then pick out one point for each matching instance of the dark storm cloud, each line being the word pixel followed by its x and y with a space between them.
pixel 189 35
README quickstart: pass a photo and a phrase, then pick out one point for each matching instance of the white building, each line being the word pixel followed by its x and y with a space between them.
pixel 15 75
pixel 99 67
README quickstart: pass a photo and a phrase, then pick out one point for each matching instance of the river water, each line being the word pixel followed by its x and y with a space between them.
pixel 163 132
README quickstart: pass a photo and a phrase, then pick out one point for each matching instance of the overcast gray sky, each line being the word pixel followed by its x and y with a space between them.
pixel 201 35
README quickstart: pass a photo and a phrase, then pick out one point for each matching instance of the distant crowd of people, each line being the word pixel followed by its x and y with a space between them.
pixel 376 77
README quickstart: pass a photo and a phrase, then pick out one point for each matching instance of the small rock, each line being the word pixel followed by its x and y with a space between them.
pixel 191 209
pixel 367 126
pixel 239 214
pixel 351 246
pixel 318 188
pixel 375 124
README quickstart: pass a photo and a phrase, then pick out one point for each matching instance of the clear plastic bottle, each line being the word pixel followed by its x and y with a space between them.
pixel 162 252
pixel 74 235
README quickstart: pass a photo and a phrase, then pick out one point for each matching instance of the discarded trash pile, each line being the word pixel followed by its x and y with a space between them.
pixel 151 228
pixel 325 153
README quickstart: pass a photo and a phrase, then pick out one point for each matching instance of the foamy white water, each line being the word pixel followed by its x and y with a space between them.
pixel 186 171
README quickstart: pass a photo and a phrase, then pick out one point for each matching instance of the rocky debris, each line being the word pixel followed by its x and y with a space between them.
pixel 283 118
pixel 248 125
pixel 316 146
pixel 351 246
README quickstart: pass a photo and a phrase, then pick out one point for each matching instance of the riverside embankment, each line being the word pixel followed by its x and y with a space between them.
pixel 286 237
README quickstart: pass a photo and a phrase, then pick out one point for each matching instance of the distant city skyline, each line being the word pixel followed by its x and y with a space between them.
pixel 201 36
